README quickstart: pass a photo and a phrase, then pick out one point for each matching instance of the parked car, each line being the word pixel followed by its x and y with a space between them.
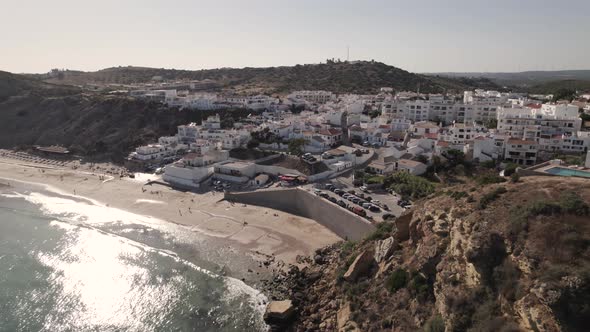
pixel 324 195
pixel 364 189
pixel 339 192
pixel 388 216
pixel 351 198
pixel 404 203
pixel 366 205
pixel 329 186
pixel 316 190
pixel 374 208
pixel 341 203
pixel 385 207
pixel 332 199
pixel 376 202
pixel 345 196
pixel 358 210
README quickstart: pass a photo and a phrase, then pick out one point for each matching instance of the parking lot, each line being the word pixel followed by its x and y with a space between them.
pixel 338 194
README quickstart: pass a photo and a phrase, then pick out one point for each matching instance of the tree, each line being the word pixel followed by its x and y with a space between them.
pixel 564 93
pixel 253 143
pixel 296 146
pixel 491 123
pixel 455 156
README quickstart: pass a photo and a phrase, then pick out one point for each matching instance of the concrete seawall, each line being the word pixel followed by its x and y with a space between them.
pixel 305 204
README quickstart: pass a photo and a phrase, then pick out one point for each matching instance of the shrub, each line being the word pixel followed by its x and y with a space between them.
pixel 253 143
pixel 383 231
pixel 569 202
pixel 510 169
pixel 457 195
pixel 408 185
pixel 514 177
pixel 489 164
pixel 420 286
pixel 572 203
pixel 396 280
pixel 374 180
pixel 490 179
pixel 486 199
pixel 435 324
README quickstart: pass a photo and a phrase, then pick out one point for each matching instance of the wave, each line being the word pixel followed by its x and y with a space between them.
pixel 70 212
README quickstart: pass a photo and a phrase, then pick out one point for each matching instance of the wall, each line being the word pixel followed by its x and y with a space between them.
pixel 305 204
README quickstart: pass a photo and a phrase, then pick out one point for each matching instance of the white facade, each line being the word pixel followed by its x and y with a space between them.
pixel 521 152
pixel 316 97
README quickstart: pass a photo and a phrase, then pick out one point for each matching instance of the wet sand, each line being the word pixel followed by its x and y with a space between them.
pixel 259 231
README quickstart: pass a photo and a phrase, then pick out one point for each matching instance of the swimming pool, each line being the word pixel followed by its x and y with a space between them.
pixel 567 172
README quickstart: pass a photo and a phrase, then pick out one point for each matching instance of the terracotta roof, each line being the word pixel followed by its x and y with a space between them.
pixel 442 143
pixel 533 105
pixel 431 135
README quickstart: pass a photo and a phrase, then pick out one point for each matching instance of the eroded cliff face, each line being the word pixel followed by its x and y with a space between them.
pixel 520 262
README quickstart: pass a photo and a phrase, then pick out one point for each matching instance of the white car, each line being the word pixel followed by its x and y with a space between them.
pixel 376 202
pixel 364 189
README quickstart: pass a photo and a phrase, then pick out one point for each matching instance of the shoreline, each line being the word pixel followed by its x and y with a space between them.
pixel 263 234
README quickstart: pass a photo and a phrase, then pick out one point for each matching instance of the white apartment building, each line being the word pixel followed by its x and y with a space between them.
pixel 195 167
pixel 423 128
pixel 486 148
pixel 461 133
pixel 153 152
pixel 545 122
pixel 521 152
pixel 188 133
pixel 212 122
pixel 315 97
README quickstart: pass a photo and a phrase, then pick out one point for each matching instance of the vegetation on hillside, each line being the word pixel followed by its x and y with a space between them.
pixel 518 262
pixel 340 77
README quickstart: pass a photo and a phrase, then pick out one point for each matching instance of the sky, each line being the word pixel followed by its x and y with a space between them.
pixel 419 36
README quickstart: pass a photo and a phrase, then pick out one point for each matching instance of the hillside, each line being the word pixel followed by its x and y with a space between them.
pixel 552 87
pixel 17 85
pixel 505 257
pixel 91 125
pixel 523 80
pixel 341 77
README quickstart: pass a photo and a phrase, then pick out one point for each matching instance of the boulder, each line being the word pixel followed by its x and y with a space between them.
pixel 402 224
pixel 279 312
pixel 360 266
pixel 384 248
pixel 343 316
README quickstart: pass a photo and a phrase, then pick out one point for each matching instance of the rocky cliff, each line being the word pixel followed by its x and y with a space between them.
pixel 93 125
pixel 503 257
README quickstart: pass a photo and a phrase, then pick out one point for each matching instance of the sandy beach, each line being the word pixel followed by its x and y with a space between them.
pixel 259 231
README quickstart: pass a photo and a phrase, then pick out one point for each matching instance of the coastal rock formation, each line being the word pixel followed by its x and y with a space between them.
pixel 519 264
pixel 279 313
pixel 384 248
pixel 359 266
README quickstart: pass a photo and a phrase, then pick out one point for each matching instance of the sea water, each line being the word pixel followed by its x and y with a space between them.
pixel 71 264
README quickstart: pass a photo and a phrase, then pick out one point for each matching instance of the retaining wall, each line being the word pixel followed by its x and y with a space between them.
pixel 305 204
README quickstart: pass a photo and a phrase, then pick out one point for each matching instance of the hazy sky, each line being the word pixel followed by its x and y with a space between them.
pixel 419 36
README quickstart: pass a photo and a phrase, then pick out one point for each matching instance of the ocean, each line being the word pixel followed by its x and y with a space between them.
pixel 68 263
